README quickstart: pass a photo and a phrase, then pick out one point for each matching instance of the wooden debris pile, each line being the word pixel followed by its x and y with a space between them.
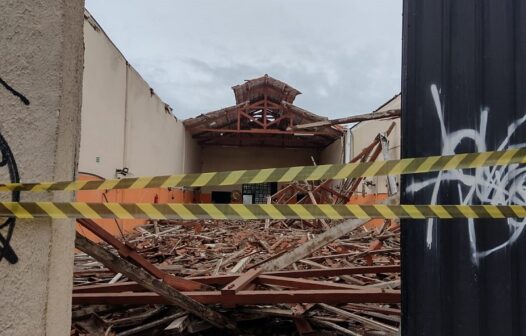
pixel 288 301
pixel 284 277
pixel 329 191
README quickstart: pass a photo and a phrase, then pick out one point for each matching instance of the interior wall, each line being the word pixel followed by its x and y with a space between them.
pixel 192 156
pixel 219 158
pixel 363 134
pixel 334 153
pixel 151 195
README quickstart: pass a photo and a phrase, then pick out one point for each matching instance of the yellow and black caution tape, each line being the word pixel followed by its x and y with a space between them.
pixel 304 173
pixel 253 211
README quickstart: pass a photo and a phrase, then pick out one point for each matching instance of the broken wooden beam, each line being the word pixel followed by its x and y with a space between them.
pixel 317 242
pixel 241 282
pixel 148 281
pixel 128 252
pixel 349 120
pixel 132 286
pixel 151 325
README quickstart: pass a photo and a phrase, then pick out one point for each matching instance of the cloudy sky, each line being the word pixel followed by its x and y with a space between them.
pixel 343 55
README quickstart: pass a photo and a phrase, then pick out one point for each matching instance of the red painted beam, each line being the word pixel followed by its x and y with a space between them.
pixel 239 283
pixel 311 273
pixel 248 297
pixel 262 131
pixel 225 279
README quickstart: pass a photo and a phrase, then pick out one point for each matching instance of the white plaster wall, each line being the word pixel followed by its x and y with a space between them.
pixel 42 59
pixel 103 105
pixel 124 123
pixel 154 139
pixel 363 134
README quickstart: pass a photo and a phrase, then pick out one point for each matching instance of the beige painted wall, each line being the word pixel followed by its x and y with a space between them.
pixel 41 59
pixel 103 105
pixel 218 158
pixel 334 153
pixel 363 134
pixel 155 140
pixel 192 155
pixel 124 123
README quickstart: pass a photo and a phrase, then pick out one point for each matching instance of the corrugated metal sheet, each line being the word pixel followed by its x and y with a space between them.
pixel 464 90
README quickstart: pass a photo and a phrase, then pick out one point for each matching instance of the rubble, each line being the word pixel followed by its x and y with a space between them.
pixel 219 252
pixel 295 277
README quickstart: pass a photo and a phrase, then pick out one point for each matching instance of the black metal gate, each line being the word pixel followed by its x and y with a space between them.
pixel 464 90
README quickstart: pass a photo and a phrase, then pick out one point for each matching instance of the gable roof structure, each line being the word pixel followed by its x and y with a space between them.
pixel 264 115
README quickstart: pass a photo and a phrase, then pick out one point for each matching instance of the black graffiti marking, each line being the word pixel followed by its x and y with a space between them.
pixel 8 160
pixel 14 92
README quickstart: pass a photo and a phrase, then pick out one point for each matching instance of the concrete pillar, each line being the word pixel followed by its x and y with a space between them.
pixel 41 59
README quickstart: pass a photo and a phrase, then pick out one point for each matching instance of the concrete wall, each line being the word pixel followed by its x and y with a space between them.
pixel 219 158
pixel 41 59
pixel 334 153
pixel 124 123
pixel 192 155
pixel 363 134
pixel 155 140
pixel 103 105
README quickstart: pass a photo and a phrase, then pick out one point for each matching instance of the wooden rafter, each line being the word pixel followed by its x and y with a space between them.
pixel 264 115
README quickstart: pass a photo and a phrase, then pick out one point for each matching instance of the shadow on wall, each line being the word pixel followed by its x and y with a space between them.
pixel 150 195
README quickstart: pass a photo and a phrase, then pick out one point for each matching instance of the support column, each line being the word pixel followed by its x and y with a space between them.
pixel 41 59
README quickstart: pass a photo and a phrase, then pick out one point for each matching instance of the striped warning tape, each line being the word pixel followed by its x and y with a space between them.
pixel 306 173
pixel 254 211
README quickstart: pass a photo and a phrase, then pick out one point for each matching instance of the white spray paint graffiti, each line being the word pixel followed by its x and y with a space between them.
pixel 489 185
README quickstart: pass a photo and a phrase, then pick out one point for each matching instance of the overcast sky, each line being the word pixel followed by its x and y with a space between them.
pixel 343 55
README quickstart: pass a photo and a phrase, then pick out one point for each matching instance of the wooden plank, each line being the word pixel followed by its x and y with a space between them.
pixel 151 325
pixel 318 242
pixel 127 251
pixel 341 330
pixel 241 282
pixel 248 297
pixel 352 119
pixel 299 283
pixel 146 280
pixel 363 320
pixel 225 279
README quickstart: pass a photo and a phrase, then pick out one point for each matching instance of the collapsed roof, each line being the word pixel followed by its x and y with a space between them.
pixel 264 115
